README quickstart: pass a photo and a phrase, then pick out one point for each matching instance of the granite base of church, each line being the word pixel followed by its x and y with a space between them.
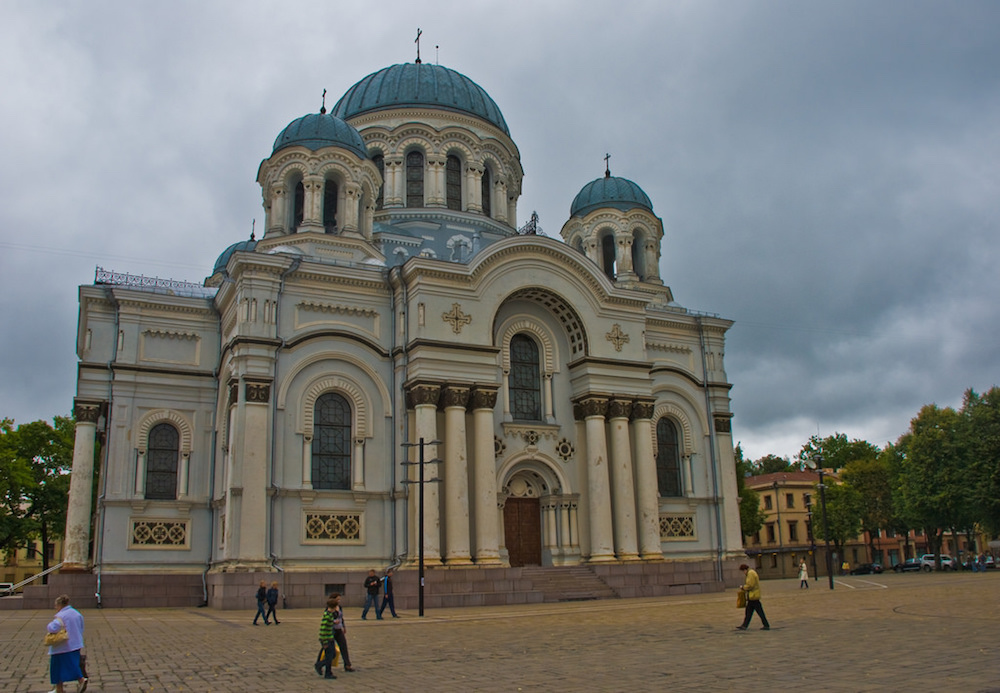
pixel 443 586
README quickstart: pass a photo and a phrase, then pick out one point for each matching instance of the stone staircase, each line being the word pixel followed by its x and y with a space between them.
pixel 567 583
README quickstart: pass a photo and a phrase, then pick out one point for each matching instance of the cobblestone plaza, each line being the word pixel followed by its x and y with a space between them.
pixel 914 632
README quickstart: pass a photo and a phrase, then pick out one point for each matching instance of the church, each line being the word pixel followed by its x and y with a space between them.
pixel 396 372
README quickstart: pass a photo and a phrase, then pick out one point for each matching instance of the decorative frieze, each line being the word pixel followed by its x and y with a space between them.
pixel 332 528
pixel 149 533
pixel 677 528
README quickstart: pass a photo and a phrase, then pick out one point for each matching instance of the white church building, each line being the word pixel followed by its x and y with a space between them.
pixel 266 424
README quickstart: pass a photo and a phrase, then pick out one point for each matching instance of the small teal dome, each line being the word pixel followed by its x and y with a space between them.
pixel 220 264
pixel 318 130
pixel 419 85
pixel 618 193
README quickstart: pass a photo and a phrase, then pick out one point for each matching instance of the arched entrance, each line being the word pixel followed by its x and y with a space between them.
pixel 522 520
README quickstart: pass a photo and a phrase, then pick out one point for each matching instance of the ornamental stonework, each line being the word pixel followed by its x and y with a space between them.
pixel 677 527
pixel 619 408
pixel 617 337
pixel 423 394
pixel 483 398
pixel 258 393
pixel 332 528
pixel 723 425
pixel 590 406
pixel 159 534
pixel 642 409
pixel 87 412
pixel 454 396
pixel 457 318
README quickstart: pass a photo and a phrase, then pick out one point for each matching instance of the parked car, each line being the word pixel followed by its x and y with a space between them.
pixel 911 565
pixel 866 569
pixel 928 564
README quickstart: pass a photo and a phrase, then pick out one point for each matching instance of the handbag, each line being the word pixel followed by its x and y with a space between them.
pixel 57 638
pixel 741 599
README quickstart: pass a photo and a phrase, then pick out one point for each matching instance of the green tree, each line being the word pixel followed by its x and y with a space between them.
pixel 842 513
pixel 837 451
pixel 15 476
pixel 982 416
pixel 42 455
pixel 770 464
pixel 871 481
pixel 751 514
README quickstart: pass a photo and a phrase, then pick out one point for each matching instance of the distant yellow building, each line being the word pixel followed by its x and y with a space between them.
pixel 22 564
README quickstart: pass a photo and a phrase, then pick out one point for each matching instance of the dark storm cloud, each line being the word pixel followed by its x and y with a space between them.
pixel 828 174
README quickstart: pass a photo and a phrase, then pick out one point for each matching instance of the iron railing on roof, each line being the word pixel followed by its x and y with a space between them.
pixel 155 284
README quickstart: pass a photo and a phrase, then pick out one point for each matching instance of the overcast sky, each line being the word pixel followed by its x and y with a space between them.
pixel 828 174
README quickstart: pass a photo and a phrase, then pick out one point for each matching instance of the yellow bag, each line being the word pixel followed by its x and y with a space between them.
pixel 741 599
pixel 57 638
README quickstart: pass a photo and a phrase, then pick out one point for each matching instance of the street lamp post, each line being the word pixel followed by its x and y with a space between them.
pixel 420 511
pixel 812 538
pixel 816 462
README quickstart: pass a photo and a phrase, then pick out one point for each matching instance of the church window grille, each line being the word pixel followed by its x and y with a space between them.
pixel 330 206
pixel 525 381
pixel 161 462
pixel 487 192
pixel 668 462
pixel 453 182
pixel 379 162
pixel 608 255
pixel 414 179
pixel 331 446
pixel 300 206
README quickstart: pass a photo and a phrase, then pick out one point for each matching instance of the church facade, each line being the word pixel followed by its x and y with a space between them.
pixel 567 411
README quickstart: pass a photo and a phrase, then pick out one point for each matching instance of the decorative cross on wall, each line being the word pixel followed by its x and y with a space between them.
pixel 617 337
pixel 457 318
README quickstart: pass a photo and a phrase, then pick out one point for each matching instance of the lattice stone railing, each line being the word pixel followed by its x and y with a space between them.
pixel 333 527
pixel 159 534
pixel 677 527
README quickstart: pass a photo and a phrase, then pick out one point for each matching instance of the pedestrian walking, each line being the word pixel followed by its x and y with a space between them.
pixel 387 595
pixel 272 601
pixel 803 575
pixel 372 587
pixel 64 656
pixel 328 648
pixel 340 632
pixel 751 586
pixel 261 601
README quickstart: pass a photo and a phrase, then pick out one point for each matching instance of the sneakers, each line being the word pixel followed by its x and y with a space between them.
pixel 741 627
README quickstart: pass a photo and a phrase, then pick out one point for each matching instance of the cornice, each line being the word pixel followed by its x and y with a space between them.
pixel 298 341
pixel 451 346
pixel 644 366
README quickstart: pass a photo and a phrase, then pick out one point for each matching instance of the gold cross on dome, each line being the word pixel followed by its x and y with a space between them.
pixel 617 337
pixel 457 318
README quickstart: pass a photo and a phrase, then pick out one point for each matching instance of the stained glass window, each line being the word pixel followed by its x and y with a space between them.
pixel 525 379
pixel 161 462
pixel 331 445
pixel 668 460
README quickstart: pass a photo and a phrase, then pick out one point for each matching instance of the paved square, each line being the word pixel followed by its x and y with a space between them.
pixel 914 632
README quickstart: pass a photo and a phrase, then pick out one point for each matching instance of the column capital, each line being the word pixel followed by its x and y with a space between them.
pixel 642 409
pixel 619 408
pixel 87 411
pixel 589 405
pixel 422 393
pixel 483 397
pixel 454 396
pixel 257 391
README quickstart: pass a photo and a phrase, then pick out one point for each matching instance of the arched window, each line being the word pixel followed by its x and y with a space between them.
pixel 379 162
pixel 638 255
pixel 487 192
pixel 330 206
pixel 525 380
pixel 331 445
pixel 453 183
pixel 608 255
pixel 161 462
pixel 668 459
pixel 299 207
pixel 414 179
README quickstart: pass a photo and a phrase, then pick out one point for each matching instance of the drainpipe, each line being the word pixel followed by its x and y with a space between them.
pixel 712 453
pixel 274 409
pixel 101 498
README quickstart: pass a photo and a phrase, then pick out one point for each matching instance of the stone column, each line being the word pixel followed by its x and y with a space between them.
pixel 645 481
pixel 484 477
pixel 622 480
pixel 474 184
pixel 276 214
pixel 689 476
pixel 591 411
pixel 352 194
pixel 307 463
pixel 500 209
pixel 623 256
pixel 140 473
pixel 313 203
pixel 434 182
pixel 81 487
pixel 547 398
pixel 423 399
pixel 183 470
pixel 550 519
pixel 505 384
pixel 246 496
pixel 358 465
pixel 455 471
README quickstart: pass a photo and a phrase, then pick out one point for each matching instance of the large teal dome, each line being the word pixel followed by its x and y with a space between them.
pixel 220 264
pixel 419 85
pixel 318 130
pixel 618 193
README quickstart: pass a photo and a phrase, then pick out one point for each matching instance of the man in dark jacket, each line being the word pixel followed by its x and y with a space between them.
pixel 372 586
pixel 387 595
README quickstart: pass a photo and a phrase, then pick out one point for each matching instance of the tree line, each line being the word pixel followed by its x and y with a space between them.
pixel 941 476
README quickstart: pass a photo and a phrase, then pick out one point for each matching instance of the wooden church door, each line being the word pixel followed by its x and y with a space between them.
pixel 522 524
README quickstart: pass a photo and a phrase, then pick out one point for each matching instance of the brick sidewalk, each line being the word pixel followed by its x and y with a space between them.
pixel 914 632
